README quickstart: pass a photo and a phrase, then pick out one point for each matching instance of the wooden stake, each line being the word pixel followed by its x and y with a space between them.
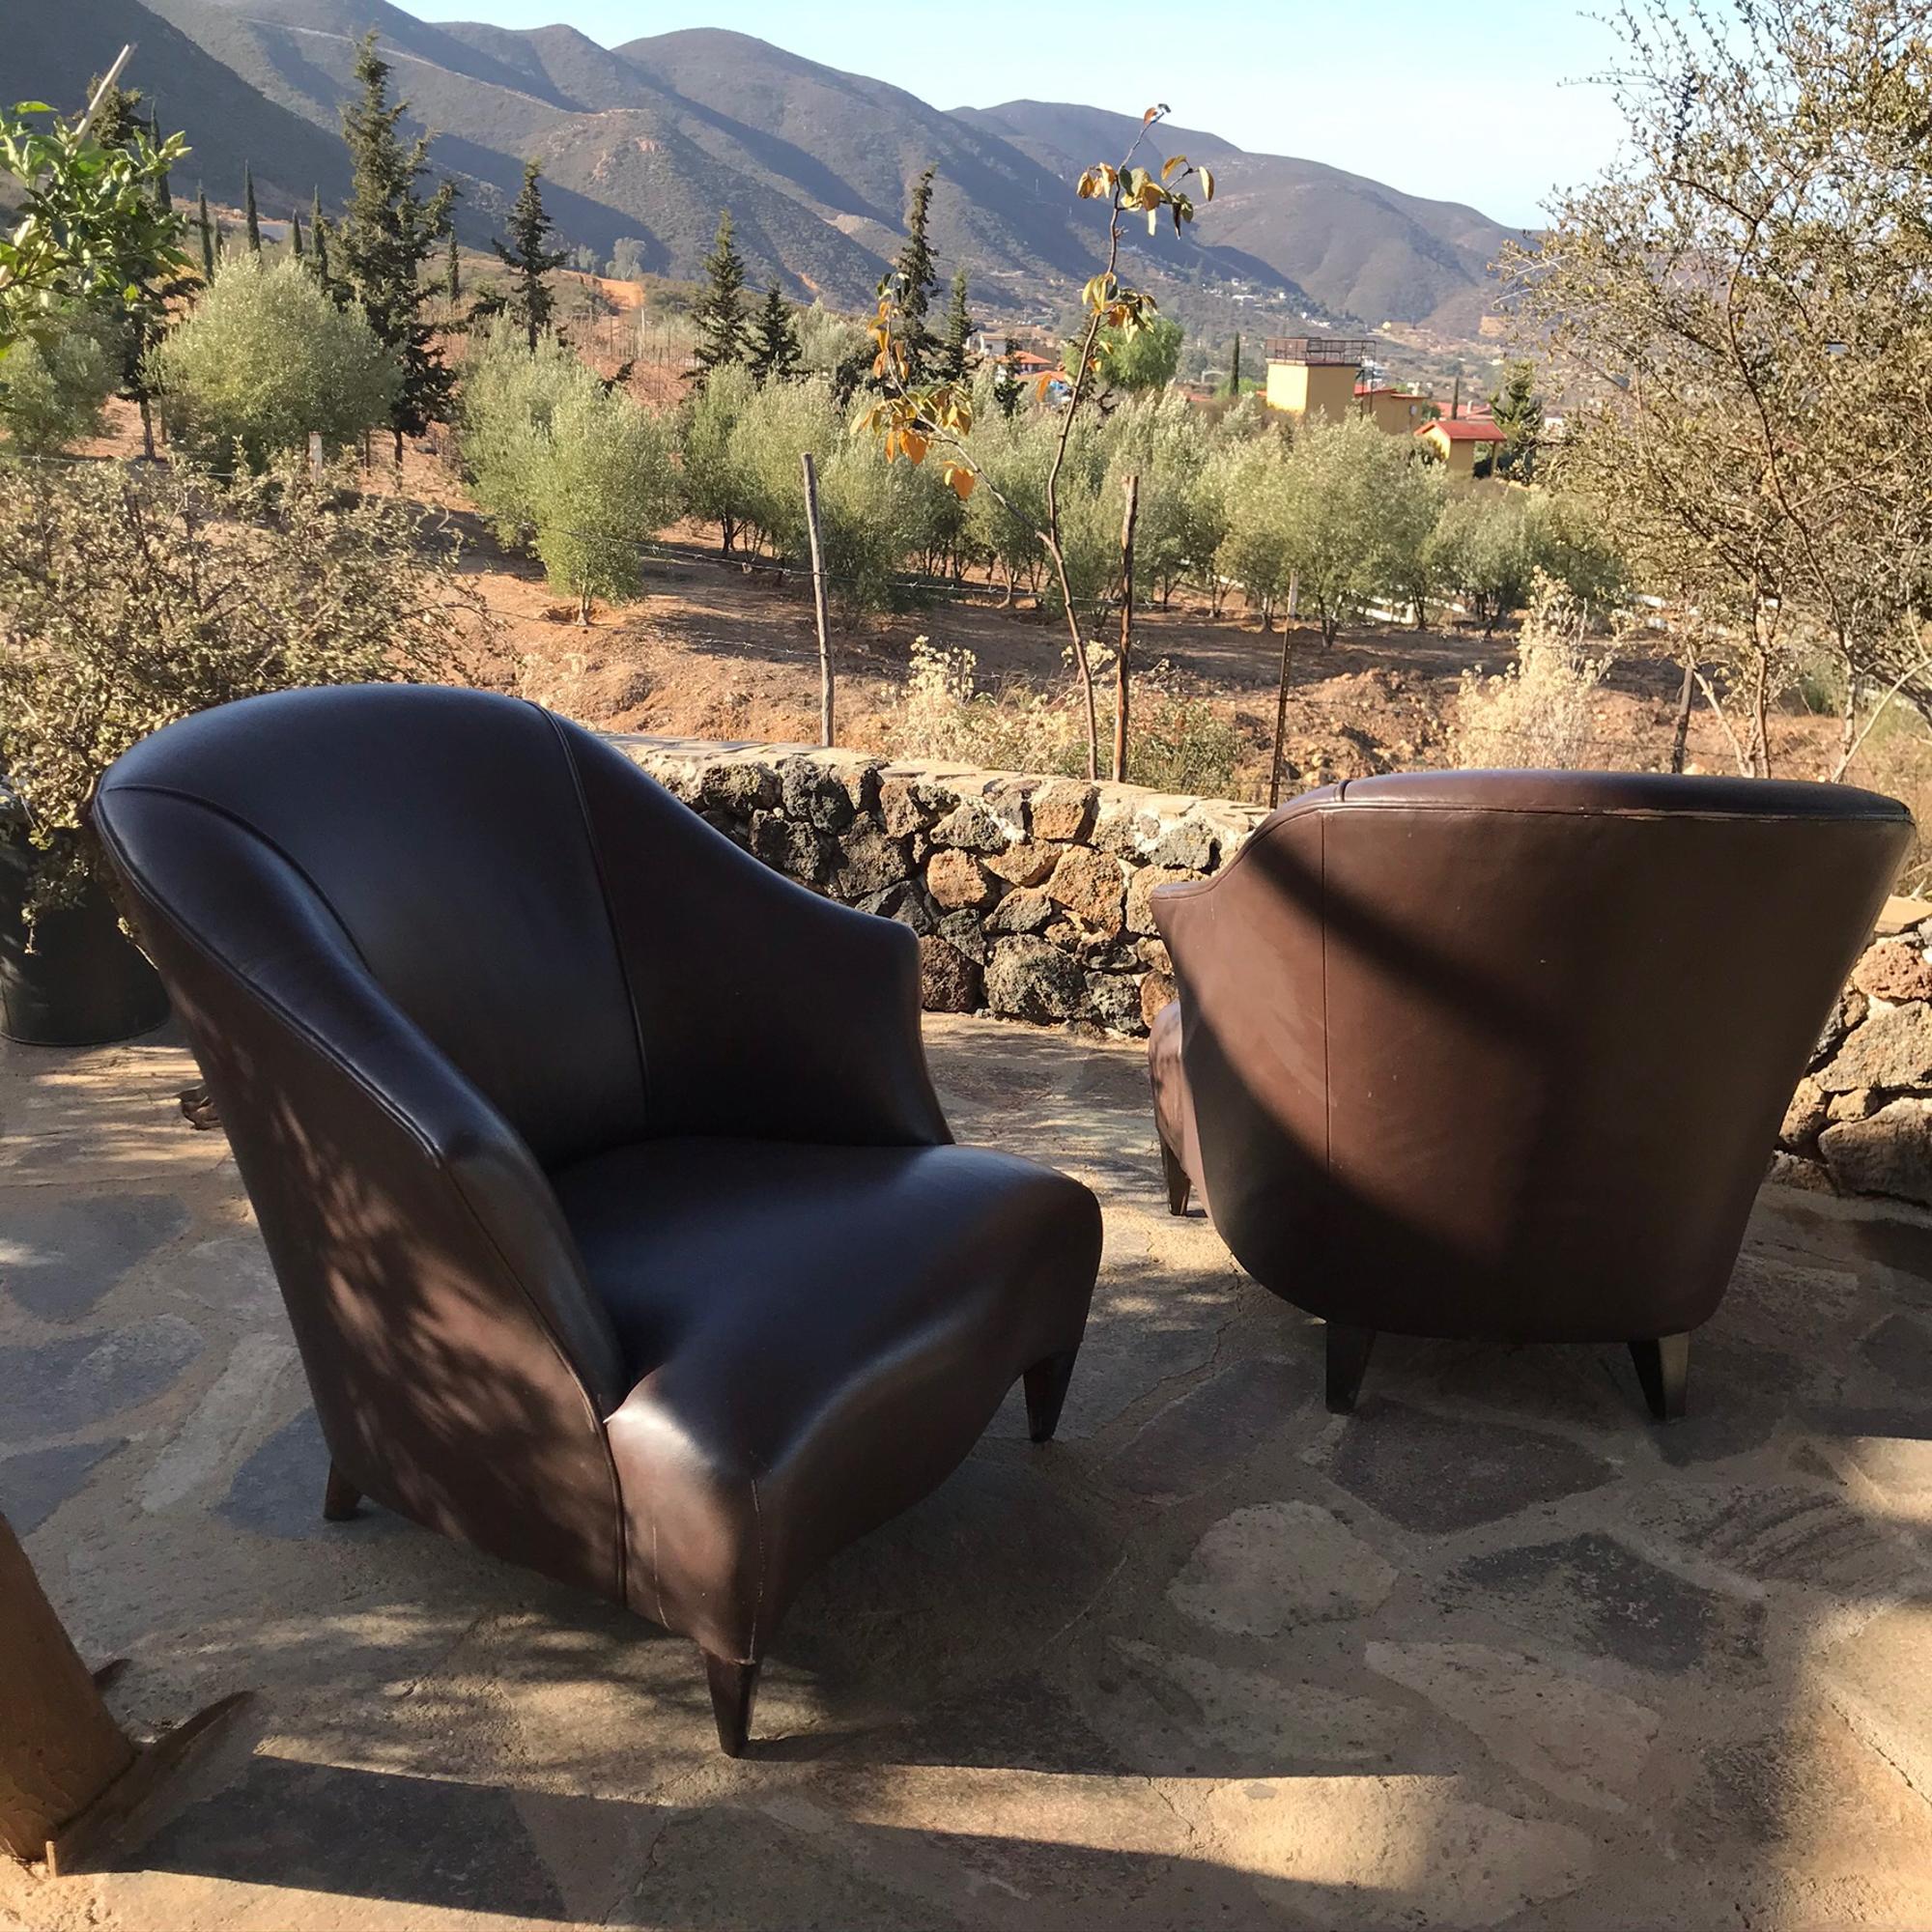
pixel 1120 660
pixel 1280 715
pixel 818 600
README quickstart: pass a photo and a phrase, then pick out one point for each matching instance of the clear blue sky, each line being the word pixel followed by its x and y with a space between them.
pixel 1466 101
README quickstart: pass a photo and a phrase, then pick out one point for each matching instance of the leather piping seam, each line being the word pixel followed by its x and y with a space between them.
pixel 604 892
pixel 384 1105
pixel 759 1598
pixel 1187 889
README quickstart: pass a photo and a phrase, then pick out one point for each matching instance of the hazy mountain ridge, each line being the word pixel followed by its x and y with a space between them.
pixel 652 138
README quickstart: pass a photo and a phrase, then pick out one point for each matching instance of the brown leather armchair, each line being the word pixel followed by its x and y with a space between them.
pixel 1503 1055
pixel 615 1214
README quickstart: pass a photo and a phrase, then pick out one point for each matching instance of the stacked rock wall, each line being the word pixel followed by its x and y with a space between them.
pixel 1030 899
pixel 1028 894
pixel 1861 1121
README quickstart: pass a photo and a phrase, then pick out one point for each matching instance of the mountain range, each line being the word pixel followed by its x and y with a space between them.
pixel 651 139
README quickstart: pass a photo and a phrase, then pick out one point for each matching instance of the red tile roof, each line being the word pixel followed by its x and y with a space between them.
pixel 1466 429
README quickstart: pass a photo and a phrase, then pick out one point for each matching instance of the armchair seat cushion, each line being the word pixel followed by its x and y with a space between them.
pixel 818 1335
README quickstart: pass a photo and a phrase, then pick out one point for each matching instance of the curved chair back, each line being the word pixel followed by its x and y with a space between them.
pixel 1504 1054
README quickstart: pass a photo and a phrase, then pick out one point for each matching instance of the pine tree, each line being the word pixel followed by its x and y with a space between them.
pixel 773 351
pixel 1008 388
pixel 387 233
pixel 1518 413
pixel 530 299
pixel 248 211
pixel 720 315
pixel 950 359
pixel 452 281
pixel 296 236
pixel 916 278
pixel 206 228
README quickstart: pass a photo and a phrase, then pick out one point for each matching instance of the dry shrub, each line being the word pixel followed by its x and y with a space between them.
pixel 1539 713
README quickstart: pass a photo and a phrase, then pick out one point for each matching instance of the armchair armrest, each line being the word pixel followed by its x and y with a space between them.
pixel 764 1011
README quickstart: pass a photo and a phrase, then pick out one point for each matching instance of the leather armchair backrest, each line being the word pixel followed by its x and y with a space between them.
pixel 445 832
pixel 1505 1053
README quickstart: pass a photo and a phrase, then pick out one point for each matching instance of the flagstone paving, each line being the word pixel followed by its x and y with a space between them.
pixel 1495 1652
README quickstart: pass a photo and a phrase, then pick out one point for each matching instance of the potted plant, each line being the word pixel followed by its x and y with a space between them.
pixel 130 597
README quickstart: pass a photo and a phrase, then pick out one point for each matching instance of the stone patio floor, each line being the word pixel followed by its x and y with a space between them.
pixel 1495 1652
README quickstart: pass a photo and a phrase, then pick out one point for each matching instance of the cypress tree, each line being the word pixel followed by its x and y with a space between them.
pixel 165 194
pixel 1008 388
pixel 530 300
pixel 453 274
pixel 773 351
pixel 248 212
pixel 206 234
pixel 720 315
pixel 318 236
pixel 1234 375
pixel 387 233
pixel 916 278
pixel 951 358
pixel 296 235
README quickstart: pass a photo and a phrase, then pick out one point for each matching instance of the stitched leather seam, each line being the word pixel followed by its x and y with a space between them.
pixel 384 1104
pixel 604 892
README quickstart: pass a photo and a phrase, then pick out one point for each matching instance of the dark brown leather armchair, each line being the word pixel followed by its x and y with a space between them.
pixel 1503 1055
pixel 615 1216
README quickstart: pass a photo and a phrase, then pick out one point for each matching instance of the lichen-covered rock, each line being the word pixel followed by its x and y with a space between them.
pixel 949 981
pixel 1091 885
pixel 1114 1000
pixel 1140 913
pixel 1114 828
pixel 971 827
pixel 907 902
pixel 1027 910
pixel 1853 1106
pixel 1806 1117
pixel 1063 810
pixel 868 861
pixel 1895 970
pixel 1889 1153
pixel 793 849
pixel 814 795
pixel 1025 863
pixel 1029 980
pixel 1191 844
pixel 1796 1170
pixel 1156 990
pixel 1850 1011
pixel 1892 1049
pixel 740 787
pixel 957 879
pixel 965 931
pixel 1010 802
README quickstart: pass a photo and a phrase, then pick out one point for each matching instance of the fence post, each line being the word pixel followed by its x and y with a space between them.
pixel 818 600
pixel 1120 687
pixel 315 461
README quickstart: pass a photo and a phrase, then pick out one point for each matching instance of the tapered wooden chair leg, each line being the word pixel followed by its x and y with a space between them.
pixel 1348 1361
pixel 1046 1392
pixel 1179 1186
pixel 341 1499
pixel 1663 1368
pixel 734 1687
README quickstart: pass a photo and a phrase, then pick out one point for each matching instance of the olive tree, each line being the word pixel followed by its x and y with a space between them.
pixel 265 359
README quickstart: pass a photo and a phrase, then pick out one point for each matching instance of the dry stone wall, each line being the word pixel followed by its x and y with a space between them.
pixel 1028 894
pixel 1029 897
pixel 1861 1121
